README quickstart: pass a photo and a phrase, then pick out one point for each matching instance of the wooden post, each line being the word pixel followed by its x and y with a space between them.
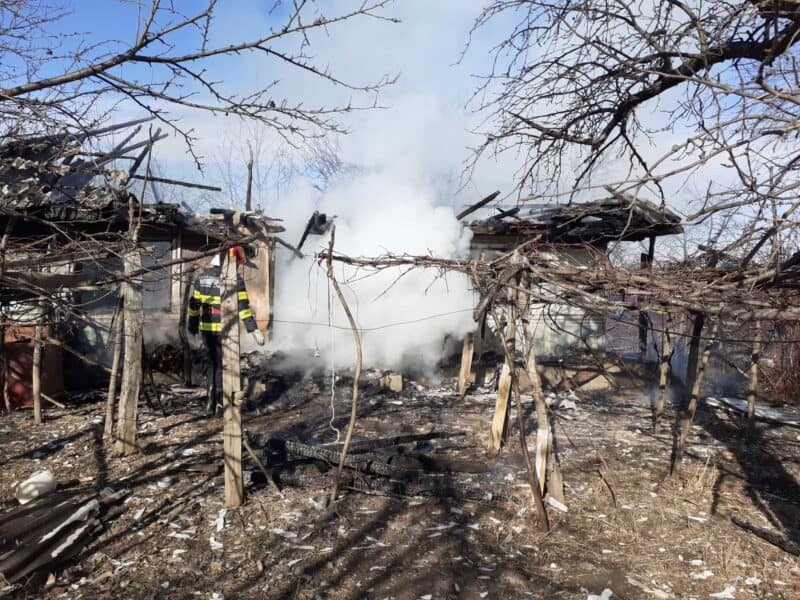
pixel 666 355
pixel 499 431
pixel 688 416
pixel 116 337
pixel 231 386
pixel 356 375
pixel 133 312
pixel 466 364
pixel 36 374
pixel 753 391
pixel 646 263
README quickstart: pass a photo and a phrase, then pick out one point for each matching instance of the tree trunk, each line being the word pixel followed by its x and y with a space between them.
pixel 752 394
pixel 108 428
pixel 688 417
pixel 36 375
pixel 231 386
pixel 188 286
pixel 133 312
pixel 698 322
pixel 666 355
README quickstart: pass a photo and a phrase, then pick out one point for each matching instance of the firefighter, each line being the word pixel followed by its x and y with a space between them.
pixel 205 316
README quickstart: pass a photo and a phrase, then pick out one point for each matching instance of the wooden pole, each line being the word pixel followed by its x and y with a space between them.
pixel 688 416
pixel 666 355
pixel 133 317
pixel 356 376
pixel 752 394
pixel 36 374
pixel 231 386
pixel 116 336
pixel 466 364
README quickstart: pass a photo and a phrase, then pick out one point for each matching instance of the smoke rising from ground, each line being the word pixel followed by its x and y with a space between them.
pixel 399 200
pixel 375 215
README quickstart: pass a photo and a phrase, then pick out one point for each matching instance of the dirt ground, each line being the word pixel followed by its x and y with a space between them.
pixel 630 530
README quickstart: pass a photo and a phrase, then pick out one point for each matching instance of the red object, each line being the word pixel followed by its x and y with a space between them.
pixel 19 353
pixel 238 252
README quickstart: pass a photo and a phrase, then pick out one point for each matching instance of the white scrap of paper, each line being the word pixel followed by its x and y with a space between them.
pixel 726 593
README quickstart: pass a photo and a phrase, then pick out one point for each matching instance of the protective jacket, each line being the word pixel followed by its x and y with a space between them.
pixel 205 305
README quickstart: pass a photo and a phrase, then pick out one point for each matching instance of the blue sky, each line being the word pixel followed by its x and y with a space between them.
pixel 425 111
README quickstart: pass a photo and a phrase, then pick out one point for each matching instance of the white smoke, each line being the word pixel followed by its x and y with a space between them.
pixel 400 201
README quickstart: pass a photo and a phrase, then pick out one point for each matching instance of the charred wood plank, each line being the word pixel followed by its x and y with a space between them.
pixel 398 440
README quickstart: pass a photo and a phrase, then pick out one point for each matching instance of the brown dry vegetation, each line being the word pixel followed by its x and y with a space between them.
pixel 629 528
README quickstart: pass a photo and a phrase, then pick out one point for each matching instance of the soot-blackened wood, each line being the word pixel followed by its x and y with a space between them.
pixel 367 445
pixel 133 317
pixel 231 386
pixel 366 463
pixel 663 377
pixel 435 488
pixel 108 428
pixel 466 364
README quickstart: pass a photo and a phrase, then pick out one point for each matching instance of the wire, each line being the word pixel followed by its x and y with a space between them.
pixel 377 327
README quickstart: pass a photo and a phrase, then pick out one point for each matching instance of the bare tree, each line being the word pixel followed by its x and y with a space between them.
pixel 668 88
pixel 164 68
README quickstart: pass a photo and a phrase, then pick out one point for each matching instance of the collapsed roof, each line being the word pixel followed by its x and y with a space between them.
pixel 619 217
pixel 61 178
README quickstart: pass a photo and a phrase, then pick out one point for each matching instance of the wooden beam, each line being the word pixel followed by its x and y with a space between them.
pixel 466 364
pixel 480 204
pixel 498 432
pixel 231 386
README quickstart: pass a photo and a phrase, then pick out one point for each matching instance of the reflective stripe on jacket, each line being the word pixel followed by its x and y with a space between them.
pixel 205 305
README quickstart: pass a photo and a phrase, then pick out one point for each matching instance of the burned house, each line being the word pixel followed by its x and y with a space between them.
pixel 68 214
pixel 578 234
